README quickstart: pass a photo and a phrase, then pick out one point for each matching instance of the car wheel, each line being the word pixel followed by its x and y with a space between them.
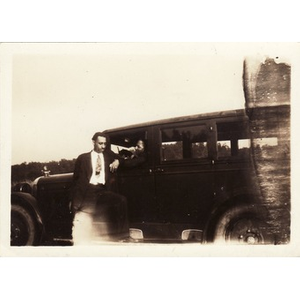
pixel 240 225
pixel 23 227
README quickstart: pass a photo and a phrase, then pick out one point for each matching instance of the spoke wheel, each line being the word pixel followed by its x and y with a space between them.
pixel 23 228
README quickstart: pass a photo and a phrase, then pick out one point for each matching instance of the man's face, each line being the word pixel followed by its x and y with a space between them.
pixel 100 144
pixel 140 146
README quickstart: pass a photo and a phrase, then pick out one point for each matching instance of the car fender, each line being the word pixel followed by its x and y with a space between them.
pixel 29 202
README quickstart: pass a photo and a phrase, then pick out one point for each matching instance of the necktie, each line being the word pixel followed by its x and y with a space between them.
pixel 98 165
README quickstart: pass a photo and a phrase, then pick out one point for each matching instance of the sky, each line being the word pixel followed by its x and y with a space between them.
pixel 61 94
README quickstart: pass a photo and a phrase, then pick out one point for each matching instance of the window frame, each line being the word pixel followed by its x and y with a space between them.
pixel 185 160
pixel 234 148
pixel 147 136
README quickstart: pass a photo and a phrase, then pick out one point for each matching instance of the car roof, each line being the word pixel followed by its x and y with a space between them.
pixel 204 116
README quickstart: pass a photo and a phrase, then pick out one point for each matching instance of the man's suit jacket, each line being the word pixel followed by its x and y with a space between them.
pixel 83 172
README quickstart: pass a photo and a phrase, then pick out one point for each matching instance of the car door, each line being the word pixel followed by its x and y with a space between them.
pixel 136 180
pixel 183 172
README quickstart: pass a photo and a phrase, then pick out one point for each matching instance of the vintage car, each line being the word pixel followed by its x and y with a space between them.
pixel 214 177
pixel 198 182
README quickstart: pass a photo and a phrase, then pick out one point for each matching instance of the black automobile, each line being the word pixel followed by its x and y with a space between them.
pixel 205 178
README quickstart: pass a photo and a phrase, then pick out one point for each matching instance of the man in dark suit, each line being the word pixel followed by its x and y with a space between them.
pixel 99 213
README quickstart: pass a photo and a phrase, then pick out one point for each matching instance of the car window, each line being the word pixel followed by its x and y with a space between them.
pixel 233 140
pixel 132 146
pixel 184 142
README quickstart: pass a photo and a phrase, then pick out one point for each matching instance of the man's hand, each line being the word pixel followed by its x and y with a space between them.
pixel 131 149
pixel 114 165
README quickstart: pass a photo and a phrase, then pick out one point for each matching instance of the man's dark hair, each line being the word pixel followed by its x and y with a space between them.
pixel 99 134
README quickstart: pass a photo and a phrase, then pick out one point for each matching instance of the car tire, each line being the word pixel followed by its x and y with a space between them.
pixel 240 225
pixel 23 227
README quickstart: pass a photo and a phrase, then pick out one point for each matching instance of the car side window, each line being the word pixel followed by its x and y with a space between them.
pixel 270 147
pixel 233 140
pixel 184 142
pixel 131 146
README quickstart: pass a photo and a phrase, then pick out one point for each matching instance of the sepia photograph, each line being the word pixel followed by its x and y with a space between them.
pixel 148 149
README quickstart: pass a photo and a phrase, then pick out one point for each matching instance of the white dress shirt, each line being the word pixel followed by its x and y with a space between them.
pixel 97 179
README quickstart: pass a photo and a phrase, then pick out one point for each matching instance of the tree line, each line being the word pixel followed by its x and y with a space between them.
pixel 28 172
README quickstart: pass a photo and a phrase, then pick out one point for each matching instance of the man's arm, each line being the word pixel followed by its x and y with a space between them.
pixel 77 170
pixel 76 191
pixel 117 160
